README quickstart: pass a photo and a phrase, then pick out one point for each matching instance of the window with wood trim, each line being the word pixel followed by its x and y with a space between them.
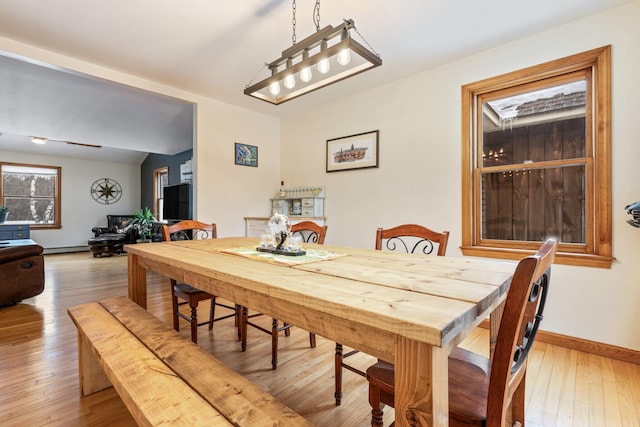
pixel 31 193
pixel 536 147
pixel 160 180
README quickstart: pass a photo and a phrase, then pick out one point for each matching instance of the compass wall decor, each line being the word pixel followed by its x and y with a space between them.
pixel 106 191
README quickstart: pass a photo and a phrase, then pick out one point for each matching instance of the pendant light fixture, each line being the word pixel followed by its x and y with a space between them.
pixel 325 57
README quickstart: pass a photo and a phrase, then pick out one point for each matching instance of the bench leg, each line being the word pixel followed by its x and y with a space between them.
pixel 91 375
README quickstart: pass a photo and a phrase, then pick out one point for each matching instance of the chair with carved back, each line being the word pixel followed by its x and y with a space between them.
pixel 310 232
pixel 192 230
pixel 406 238
pixel 488 391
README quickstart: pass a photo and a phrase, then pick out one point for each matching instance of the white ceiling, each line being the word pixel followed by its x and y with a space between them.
pixel 214 48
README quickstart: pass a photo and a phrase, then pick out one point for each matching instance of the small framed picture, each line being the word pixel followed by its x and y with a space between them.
pixel 353 152
pixel 246 155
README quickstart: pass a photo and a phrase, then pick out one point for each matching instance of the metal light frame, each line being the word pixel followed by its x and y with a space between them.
pixel 327 43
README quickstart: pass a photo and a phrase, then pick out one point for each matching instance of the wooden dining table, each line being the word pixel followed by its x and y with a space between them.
pixel 411 310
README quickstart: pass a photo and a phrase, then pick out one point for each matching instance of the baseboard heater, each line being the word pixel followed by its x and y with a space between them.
pixel 66 250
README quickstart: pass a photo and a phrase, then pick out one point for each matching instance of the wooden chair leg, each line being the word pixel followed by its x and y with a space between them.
pixel 287 330
pixel 243 328
pixel 212 312
pixel 376 406
pixel 194 320
pixel 274 343
pixel 312 340
pixel 517 403
pixel 338 375
pixel 239 321
pixel 174 305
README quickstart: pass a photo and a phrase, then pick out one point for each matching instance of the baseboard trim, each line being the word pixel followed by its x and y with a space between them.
pixel 579 344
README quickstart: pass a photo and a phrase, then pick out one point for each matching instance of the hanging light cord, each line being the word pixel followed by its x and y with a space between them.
pixel 265 65
pixel 365 41
pixel 316 15
pixel 293 23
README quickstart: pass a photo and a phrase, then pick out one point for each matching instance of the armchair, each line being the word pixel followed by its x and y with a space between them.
pixel 22 272
pixel 120 225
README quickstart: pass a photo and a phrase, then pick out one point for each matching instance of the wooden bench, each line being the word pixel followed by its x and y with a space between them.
pixel 163 378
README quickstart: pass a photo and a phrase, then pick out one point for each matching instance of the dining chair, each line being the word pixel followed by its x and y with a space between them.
pixel 192 230
pixel 481 389
pixel 310 232
pixel 407 238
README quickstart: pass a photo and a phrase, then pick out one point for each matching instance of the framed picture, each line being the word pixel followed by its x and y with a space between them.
pixel 353 152
pixel 246 155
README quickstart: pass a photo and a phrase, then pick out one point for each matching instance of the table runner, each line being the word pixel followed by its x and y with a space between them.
pixel 312 255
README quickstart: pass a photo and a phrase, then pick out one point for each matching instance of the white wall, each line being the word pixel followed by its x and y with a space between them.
pixel 80 213
pixel 419 178
pixel 228 192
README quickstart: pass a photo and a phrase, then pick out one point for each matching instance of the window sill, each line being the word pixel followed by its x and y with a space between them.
pixel 565 258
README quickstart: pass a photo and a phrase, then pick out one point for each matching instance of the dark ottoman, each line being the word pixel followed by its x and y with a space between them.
pixel 107 244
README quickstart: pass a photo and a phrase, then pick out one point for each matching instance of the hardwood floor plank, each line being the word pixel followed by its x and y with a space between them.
pixel 39 372
pixel 610 394
pixel 568 370
pixel 596 392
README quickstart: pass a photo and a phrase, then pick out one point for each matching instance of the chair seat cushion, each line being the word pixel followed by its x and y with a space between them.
pixel 187 289
pixel 468 385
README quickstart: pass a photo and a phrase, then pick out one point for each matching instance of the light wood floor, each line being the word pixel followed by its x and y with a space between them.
pixel 38 363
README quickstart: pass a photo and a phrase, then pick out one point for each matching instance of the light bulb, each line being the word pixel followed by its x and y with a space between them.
pixel 344 57
pixel 274 88
pixel 289 81
pixel 323 66
pixel 305 74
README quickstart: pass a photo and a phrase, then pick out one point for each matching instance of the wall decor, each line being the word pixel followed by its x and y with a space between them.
pixel 353 152
pixel 106 191
pixel 246 155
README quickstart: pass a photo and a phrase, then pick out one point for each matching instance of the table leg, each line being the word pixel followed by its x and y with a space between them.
pixel 137 281
pixel 421 384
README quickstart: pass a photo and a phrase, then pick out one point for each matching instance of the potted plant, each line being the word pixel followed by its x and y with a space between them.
pixel 143 223
pixel 3 214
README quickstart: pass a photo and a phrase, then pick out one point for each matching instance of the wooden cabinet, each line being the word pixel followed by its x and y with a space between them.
pixel 299 207
pixel 299 204
pixel 15 231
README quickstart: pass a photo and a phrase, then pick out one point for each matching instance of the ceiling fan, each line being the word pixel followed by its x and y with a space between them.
pixel 42 140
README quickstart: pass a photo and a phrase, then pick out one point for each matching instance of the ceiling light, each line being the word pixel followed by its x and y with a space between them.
pixel 332 49
pixel 40 140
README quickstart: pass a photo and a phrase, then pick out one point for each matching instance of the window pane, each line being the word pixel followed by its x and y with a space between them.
pixel 35 211
pixel 533 205
pixel 29 194
pixel 547 124
pixel 29 185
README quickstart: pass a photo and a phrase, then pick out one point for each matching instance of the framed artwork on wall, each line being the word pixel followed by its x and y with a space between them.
pixel 246 155
pixel 358 151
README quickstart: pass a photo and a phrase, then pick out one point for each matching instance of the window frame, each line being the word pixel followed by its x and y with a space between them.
pixel 157 189
pixel 57 217
pixel 597 251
